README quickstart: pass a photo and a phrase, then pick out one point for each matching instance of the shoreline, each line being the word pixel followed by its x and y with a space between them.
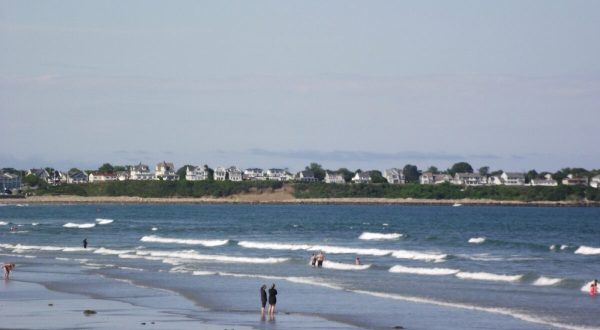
pixel 283 199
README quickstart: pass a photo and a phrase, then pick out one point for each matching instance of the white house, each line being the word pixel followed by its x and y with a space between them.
pixel 254 174
pixel 220 174
pixel 122 175
pixel 547 181
pixel 166 171
pixel 276 174
pixel 394 176
pixel 572 180
pixel 362 177
pixel 102 177
pixel 513 179
pixel 334 178
pixel 9 181
pixel 234 174
pixel 140 172
pixel 595 182
pixel 196 173
pixel 468 179
pixel 434 178
pixel 306 176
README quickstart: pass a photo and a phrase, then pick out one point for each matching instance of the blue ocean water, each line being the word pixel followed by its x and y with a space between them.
pixel 522 263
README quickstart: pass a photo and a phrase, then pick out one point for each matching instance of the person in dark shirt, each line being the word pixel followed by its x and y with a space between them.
pixel 85 243
pixel 272 300
pixel 263 299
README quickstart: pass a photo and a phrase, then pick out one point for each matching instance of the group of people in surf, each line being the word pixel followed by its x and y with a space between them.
pixel 316 260
pixel 272 299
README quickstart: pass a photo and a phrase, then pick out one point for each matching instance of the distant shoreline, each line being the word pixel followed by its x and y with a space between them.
pixel 278 199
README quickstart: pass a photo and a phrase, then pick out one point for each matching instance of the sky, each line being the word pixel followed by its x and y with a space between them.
pixel 513 85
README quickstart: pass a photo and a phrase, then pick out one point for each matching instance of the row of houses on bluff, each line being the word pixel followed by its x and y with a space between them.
pixel 166 171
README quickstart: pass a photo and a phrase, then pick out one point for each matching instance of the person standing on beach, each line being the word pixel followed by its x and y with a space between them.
pixel 272 300
pixel 7 269
pixel 320 258
pixel 85 243
pixel 263 299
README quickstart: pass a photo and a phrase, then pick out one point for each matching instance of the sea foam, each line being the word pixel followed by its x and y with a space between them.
pixel 3 223
pixel 546 281
pixel 476 240
pixel 79 225
pixel 193 255
pixel 379 236
pixel 341 266
pixel 426 256
pixel 423 271
pixel 488 277
pixel 101 221
pixel 158 239
pixel 587 250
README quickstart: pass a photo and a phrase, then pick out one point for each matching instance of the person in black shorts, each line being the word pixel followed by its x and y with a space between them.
pixel 272 301
pixel 263 299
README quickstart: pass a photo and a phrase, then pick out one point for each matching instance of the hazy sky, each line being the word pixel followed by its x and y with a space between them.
pixel 363 84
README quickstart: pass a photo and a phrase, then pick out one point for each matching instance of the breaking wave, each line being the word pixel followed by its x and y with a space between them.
pixel 379 236
pixel 426 256
pixel 79 225
pixel 546 281
pixel 106 251
pixel 193 255
pixel 488 277
pixel 341 266
pixel 423 271
pixel 101 221
pixel 3 223
pixel 158 239
pixel 476 240
pixel 587 250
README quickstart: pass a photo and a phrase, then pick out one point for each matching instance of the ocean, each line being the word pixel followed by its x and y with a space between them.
pixel 423 267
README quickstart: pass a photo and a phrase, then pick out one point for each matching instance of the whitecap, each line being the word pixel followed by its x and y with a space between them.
pixel 154 229
pixel 476 240
pixel 426 256
pixel 385 224
pixel 3 223
pixel 488 276
pixel 587 250
pixel 193 255
pixel 158 239
pixel 106 251
pixel 101 221
pixel 379 236
pixel 423 271
pixel 546 281
pixel 79 225
pixel 35 223
pixel 341 266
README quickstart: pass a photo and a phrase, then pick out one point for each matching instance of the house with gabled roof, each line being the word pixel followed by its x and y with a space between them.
pixel 96 177
pixel 394 176
pixel 77 177
pixel 9 181
pixel 306 176
pixel 468 179
pixel 234 174
pixel 572 180
pixel 362 177
pixel 434 178
pixel 546 181
pixel 595 182
pixel 196 173
pixel 331 177
pixel 276 174
pixel 140 172
pixel 165 171
pixel 513 178
pixel 255 174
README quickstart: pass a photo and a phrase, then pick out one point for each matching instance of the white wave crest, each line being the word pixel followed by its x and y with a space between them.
pixel 79 225
pixel 106 251
pixel 426 256
pixel 476 240
pixel 154 229
pixel 35 223
pixel 341 266
pixel 193 255
pixel 3 223
pixel 308 247
pixel 203 273
pixel 274 246
pixel 157 239
pixel 488 277
pixel 546 281
pixel 379 236
pixel 423 271
pixel 101 221
pixel 587 250
pixel 586 287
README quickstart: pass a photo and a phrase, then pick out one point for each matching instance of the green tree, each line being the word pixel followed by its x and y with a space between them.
pixel 377 177
pixel 346 173
pixel 32 180
pixel 119 168
pixel 106 168
pixel 211 173
pixel 411 173
pixel 181 172
pixel 532 174
pixel 496 173
pixel 484 170
pixel 460 167
pixel 318 171
pixel 432 169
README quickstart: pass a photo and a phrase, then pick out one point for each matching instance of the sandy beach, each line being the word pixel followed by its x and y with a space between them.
pixel 277 197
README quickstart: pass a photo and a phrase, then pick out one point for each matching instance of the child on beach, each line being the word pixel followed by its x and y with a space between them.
pixel 7 269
